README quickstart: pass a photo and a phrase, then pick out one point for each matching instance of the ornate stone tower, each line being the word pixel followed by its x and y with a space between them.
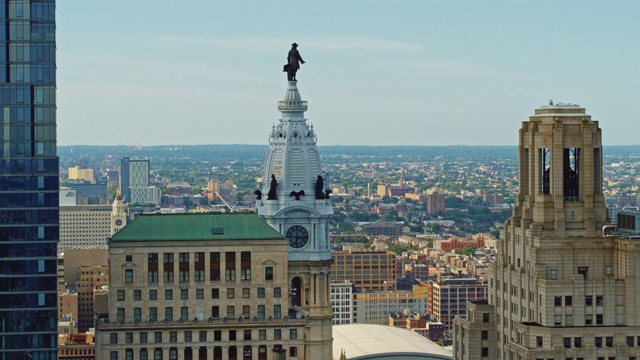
pixel 118 215
pixel 559 289
pixel 295 202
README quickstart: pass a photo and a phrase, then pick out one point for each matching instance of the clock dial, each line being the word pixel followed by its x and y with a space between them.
pixel 298 236
pixel 118 222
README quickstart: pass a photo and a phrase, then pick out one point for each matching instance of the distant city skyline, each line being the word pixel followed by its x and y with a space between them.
pixel 376 73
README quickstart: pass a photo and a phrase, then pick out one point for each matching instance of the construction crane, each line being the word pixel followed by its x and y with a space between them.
pixel 225 202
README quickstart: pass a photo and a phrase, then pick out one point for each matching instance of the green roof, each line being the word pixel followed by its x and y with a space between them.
pixel 158 227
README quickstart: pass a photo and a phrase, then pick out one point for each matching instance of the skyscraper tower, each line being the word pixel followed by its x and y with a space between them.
pixel 28 181
pixel 559 289
pixel 295 201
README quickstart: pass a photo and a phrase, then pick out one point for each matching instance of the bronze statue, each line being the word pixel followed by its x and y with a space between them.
pixel 297 194
pixel 293 62
pixel 327 192
pixel 258 193
pixel 319 190
pixel 271 195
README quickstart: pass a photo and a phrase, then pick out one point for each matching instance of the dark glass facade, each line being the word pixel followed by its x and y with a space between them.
pixel 28 180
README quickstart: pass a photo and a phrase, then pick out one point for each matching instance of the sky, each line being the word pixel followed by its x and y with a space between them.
pixel 160 72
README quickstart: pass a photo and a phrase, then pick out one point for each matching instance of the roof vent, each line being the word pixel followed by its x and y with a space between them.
pixel 217 231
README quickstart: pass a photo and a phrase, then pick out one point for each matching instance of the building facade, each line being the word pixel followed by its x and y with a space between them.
pixel 392 230
pixel 374 307
pixel 366 270
pixel 84 226
pixel 134 182
pixel 28 181
pixel 559 289
pixel 343 303
pixel 450 298
pixel 201 286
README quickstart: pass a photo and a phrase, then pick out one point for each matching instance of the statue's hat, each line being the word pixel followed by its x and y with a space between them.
pixel 294 44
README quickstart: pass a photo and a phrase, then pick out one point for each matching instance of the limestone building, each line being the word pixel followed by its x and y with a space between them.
pixel 559 289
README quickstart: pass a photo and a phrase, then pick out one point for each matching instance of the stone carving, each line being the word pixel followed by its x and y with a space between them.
pixel 327 192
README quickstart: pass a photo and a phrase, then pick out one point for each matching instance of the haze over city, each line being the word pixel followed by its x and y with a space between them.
pixel 379 73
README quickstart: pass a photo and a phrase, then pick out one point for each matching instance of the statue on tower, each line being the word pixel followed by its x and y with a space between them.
pixel 271 195
pixel 293 62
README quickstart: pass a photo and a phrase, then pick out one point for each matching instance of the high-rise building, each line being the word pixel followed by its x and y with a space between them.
pixel 134 182
pixel 296 203
pixel 28 181
pixel 559 288
pixel 84 226
pixel 367 270
pixel 435 202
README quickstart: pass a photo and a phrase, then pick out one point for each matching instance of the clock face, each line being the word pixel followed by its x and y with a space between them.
pixel 118 222
pixel 298 236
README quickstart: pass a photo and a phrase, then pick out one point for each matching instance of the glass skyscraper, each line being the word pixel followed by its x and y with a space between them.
pixel 28 180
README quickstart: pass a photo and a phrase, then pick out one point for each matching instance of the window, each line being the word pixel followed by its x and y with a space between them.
pixel 277 311
pixel 557 319
pixel 230 293
pixel 268 273
pixel 609 341
pixel 261 292
pixel 245 265
pixel 217 335
pixel 168 294
pixel 153 294
pixel 173 354
pixel 187 336
pixel 215 293
pixel 198 266
pixel 230 266
pixel 120 314
pixel 231 312
pixel 568 320
pixel 260 311
pixel 120 295
pixel 232 335
pixel 173 336
pixel 137 294
pixel 485 318
pixel 588 319
pixel 598 341
pixel 567 342
pixel 137 314
pixel 599 319
pixel 588 300
pixel 202 336
pixel 215 312
pixel 183 267
pixel 277 292
pixel 199 293
pixel 152 265
pixel 568 300
pixel 539 342
pixel 630 342
pixel 168 313
pixel 184 313
pixel 157 354
pixel 128 276
pixel 246 312
pixel 553 274
pixel 214 259
pixel 184 294
pixel 557 301
pixel 293 334
pixel 247 335
pixel 262 334
pixel 157 336
pixel 599 300
pixel 246 293
pixel 113 355
pixel 584 271
pixel 277 334
pixel 577 342
pixel 485 352
pixel 293 351
pixel 113 338
pixel 484 335
pixel 143 337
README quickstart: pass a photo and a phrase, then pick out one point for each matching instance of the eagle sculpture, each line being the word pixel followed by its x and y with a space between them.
pixel 297 194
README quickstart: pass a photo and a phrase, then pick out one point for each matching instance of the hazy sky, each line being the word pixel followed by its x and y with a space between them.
pixel 377 73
